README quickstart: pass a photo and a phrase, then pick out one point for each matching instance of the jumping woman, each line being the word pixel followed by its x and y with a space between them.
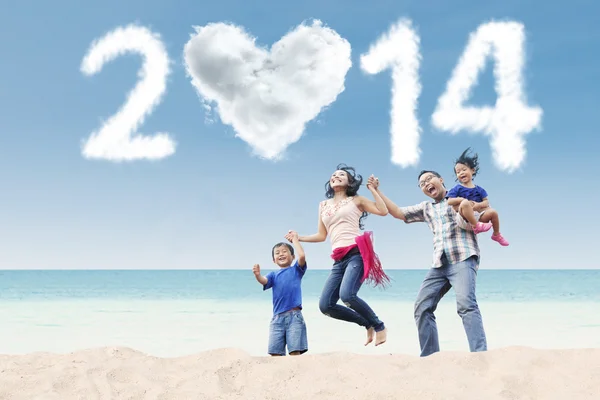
pixel 341 217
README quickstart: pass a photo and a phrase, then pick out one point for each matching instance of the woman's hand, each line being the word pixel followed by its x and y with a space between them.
pixel 291 235
pixel 372 183
pixel 377 207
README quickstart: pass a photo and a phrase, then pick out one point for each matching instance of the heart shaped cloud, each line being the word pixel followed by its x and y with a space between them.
pixel 268 97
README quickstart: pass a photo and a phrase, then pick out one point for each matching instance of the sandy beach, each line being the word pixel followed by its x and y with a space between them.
pixel 123 373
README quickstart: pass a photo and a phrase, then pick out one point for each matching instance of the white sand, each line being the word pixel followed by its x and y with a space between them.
pixel 122 373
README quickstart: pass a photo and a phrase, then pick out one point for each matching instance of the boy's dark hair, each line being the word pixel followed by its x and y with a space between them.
pixel 289 246
pixel 470 161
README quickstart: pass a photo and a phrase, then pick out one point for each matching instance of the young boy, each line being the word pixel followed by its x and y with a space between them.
pixel 287 325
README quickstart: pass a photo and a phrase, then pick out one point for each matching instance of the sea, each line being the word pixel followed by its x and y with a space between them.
pixel 171 313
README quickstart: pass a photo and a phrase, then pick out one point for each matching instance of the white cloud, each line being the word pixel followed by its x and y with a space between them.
pixel 511 118
pixel 208 112
pixel 398 50
pixel 117 139
pixel 268 96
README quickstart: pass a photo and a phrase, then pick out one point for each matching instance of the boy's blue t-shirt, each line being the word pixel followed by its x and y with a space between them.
pixel 287 287
pixel 476 193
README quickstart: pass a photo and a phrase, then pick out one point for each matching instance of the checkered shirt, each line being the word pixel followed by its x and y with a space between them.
pixel 452 235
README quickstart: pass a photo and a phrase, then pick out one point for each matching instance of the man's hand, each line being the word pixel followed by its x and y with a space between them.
pixel 373 183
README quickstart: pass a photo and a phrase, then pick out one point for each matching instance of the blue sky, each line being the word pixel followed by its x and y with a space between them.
pixel 213 204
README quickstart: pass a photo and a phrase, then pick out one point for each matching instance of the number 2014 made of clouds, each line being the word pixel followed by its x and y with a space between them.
pixel 269 95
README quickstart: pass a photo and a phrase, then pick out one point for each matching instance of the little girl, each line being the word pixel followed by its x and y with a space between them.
pixel 470 200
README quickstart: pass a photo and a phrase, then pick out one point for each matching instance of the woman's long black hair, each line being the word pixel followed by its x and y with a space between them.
pixel 354 182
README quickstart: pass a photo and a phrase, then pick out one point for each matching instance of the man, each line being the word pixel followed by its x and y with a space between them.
pixel 455 263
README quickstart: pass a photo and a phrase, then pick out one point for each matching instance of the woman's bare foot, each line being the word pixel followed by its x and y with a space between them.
pixel 370 335
pixel 380 337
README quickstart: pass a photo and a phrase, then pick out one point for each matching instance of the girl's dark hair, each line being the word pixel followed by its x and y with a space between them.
pixel 470 161
pixel 354 182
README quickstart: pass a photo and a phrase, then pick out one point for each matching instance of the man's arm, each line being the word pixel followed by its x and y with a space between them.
pixel 392 207
pixel 407 214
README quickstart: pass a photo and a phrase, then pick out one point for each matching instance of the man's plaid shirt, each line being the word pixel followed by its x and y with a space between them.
pixel 452 235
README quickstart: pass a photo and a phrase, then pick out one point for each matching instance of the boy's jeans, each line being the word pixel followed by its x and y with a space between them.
pixel 343 283
pixel 461 276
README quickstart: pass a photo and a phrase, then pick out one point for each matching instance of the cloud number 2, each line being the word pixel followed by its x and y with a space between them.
pixel 117 139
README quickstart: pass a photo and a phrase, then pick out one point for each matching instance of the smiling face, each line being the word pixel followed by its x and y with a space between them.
pixel 464 173
pixel 432 186
pixel 282 256
pixel 339 179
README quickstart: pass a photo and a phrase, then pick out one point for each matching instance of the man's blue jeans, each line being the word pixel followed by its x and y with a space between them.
pixel 462 277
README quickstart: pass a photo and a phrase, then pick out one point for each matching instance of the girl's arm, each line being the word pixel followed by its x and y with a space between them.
pixel 455 201
pixel 482 205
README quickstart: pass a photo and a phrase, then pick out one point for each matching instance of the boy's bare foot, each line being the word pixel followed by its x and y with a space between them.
pixel 381 337
pixel 370 335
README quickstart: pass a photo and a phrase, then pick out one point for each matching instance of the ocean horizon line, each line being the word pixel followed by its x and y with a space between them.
pixel 270 268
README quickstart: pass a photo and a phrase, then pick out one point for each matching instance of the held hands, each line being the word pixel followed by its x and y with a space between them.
pixel 291 236
pixel 256 270
pixel 372 183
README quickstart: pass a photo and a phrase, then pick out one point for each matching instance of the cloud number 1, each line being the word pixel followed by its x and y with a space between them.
pixel 398 49
pixel 511 118
pixel 117 139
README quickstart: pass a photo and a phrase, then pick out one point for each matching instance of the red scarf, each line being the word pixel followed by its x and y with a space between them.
pixel 373 271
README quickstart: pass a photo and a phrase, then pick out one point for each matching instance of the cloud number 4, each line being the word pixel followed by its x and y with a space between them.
pixel 511 118
pixel 117 139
